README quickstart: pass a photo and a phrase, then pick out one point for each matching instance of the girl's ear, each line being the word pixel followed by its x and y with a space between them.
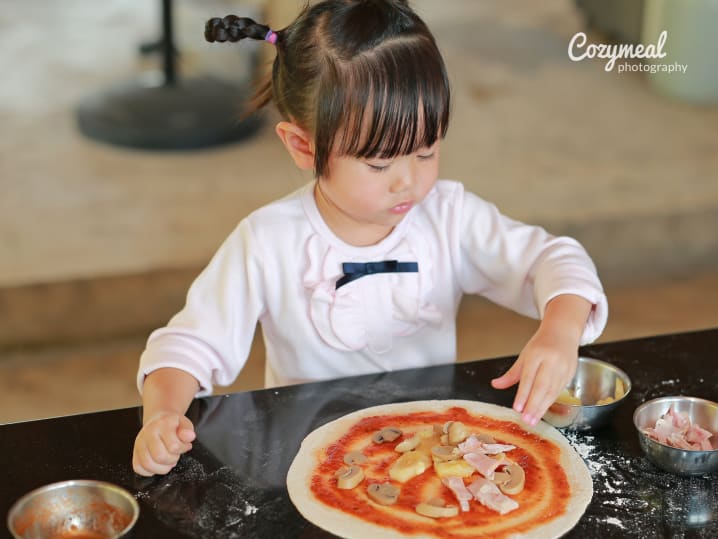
pixel 299 144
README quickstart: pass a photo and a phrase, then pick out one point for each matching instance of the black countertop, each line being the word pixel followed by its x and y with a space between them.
pixel 232 484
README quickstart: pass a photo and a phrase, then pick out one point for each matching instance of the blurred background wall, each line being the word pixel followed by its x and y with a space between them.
pixel 99 242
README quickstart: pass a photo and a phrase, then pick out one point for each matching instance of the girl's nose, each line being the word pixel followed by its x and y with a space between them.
pixel 402 181
pixel 400 184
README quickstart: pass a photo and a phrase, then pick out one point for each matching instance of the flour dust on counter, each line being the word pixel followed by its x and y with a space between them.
pixel 201 503
pixel 641 500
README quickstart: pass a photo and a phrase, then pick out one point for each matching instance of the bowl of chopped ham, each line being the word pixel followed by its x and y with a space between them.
pixel 678 434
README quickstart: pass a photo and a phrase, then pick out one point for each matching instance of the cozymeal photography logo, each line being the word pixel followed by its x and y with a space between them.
pixel 579 49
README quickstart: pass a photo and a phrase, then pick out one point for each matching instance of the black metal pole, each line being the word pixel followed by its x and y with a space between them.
pixel 168 44
pixel 178 114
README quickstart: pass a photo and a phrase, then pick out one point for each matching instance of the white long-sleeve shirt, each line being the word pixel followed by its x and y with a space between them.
pixel 280 267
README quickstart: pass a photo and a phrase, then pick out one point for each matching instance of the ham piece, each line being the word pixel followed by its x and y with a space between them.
pixel 458 488
pixel 675 429
pixel 476 452
pixel 483 464
pixel 472 444
pixel 489 495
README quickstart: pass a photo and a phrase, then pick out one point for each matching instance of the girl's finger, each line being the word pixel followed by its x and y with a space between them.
pixel 172 444
pixel 138 466
pixel 185 423
pixel 159 452
pixel 161 469
pixel 147 466
pixel 186 435
pixel 536 406
pixel 526 384
pixel 509 378
pixel 544 391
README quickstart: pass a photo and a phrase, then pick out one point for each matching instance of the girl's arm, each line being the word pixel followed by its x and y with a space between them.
pixel 166 432
pixel 167 391
pixel 519 266
pixel 548 361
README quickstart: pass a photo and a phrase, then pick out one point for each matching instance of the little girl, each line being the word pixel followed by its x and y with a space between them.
pixel 363 269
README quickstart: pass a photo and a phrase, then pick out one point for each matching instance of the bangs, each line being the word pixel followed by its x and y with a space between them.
pixel 390 101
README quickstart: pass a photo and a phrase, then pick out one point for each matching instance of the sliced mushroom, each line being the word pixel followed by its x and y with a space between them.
pixel 355 457
pixel 445 427
pixel 408 444
pixel 445 452
pixel 444 439
pixel 500 478
pixel 384 493
pixel 510 479
pixel 457 432
pixel 485 438
pixel 388 434
pixel 349 476
pixel 435 508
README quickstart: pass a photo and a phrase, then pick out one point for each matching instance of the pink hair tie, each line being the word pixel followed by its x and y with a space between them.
pixel 271 37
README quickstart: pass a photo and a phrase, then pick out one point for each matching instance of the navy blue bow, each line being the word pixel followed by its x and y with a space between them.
pixel 354 270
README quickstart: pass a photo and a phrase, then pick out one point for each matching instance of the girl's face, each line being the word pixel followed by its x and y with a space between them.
pixel 363 199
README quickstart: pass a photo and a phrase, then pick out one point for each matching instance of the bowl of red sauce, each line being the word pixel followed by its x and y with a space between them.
pixel 76 509
pixel 679 434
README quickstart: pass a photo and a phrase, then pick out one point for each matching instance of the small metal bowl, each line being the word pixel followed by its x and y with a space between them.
pixel 78 508
pixel 679 461
pixel 594 380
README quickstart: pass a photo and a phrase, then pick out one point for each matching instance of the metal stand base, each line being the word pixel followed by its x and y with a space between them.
pixel 189 114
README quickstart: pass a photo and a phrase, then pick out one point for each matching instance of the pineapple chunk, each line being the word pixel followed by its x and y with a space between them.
pixel 459 468
pixel 409 465
pixel 428 440
pixel 566 397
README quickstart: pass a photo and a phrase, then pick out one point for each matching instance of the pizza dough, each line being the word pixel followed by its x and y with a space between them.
pixel 345 524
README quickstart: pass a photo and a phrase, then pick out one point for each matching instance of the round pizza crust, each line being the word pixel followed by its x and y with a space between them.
pixel 346 525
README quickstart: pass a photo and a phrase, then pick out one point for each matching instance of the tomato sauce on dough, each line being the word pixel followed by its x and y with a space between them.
pixel 545 495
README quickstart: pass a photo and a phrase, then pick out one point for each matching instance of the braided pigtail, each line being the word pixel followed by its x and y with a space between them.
pixel 233 28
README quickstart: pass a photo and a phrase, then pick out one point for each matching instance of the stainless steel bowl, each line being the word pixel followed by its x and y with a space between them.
pixel 75 508
pixel 593 381
pixel 680 461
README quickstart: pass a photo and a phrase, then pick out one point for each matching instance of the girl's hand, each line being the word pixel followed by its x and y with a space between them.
pixel 545 366
pixel 548 361
pixel 160 443
pixel 166 432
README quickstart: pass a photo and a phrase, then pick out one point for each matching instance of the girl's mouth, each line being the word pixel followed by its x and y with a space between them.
pixel 401 208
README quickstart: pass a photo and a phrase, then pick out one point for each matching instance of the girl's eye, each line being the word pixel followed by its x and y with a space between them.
pixel 377 168
pixel 426 157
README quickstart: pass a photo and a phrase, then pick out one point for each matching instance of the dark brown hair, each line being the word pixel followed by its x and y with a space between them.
pixel 365 77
